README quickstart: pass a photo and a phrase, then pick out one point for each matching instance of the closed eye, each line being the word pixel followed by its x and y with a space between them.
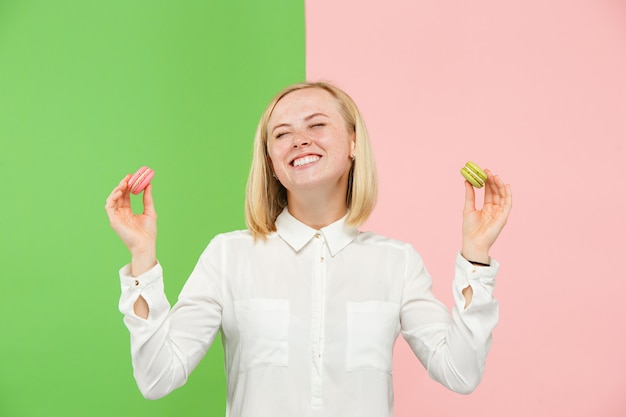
pixel 318 125
pixel 280 134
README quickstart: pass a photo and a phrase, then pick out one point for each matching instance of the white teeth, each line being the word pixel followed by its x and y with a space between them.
pixel 305 160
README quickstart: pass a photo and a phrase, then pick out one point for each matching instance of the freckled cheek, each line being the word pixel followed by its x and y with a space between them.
pixel 275 158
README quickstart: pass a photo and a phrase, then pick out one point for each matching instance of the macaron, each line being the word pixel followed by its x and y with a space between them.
pixel 140 180
pixel 474 174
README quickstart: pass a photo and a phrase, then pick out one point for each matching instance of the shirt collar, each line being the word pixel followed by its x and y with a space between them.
pixel 338 235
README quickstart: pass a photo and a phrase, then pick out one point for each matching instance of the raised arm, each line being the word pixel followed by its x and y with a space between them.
pixel 482 227
pixel 137 231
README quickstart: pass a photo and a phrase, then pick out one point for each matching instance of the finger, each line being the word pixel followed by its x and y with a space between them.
pixel 113 199
pixel 470 198
pixel 121 185
pixel 501 190
pixel 491 191
pixel 503 197
pixel 507 201
pixel 125 200
pixel 112 202
pixel 148 202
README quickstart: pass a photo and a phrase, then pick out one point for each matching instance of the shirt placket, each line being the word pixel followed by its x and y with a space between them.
pixel 317 319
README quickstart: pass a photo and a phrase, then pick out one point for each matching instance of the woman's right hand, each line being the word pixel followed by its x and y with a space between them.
pixel 137 231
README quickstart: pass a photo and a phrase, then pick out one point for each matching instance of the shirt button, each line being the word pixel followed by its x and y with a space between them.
pixel 136 283
pixel 322 259
pixel 317 236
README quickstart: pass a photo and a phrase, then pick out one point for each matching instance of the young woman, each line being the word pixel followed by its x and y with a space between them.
pixel 308 306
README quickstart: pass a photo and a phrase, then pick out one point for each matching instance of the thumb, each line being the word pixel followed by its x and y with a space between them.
pixel 148 202
pixel 470 198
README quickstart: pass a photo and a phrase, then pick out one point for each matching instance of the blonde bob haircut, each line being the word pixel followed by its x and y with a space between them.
pixel 266 197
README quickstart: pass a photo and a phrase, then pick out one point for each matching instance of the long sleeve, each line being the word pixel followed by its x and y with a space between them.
pixel 167 346
pixel 453 348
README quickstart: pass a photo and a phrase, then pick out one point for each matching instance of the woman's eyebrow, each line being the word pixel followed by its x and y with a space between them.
pixel 280 125
pixel 307 118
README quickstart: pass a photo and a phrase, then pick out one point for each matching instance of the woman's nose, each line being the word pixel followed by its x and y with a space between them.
pixel 300 140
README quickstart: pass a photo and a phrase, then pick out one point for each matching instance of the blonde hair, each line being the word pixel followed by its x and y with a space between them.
pixel 266 197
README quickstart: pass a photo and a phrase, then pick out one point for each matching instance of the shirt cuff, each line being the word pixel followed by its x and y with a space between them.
pixel 482 279
pixel 146 279
pixel 148 285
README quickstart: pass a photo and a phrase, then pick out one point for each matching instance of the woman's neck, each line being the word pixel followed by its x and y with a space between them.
pixel 315 211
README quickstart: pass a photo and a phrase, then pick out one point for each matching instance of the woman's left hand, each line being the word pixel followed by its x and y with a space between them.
pixel 482 227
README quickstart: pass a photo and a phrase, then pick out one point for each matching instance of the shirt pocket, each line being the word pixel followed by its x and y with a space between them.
pixel 264 332
pixel 373 327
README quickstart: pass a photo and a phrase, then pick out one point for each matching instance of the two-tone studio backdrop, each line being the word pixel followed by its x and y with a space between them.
pixel 533 90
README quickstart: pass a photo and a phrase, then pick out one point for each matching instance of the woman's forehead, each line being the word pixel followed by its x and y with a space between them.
pixel 303 102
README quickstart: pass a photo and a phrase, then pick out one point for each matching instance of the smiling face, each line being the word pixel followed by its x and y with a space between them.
pixel 309 143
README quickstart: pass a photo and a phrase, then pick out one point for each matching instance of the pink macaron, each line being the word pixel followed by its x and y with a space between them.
pixel 140 180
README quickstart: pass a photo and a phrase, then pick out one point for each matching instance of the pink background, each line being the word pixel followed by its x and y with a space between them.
pixel 536 91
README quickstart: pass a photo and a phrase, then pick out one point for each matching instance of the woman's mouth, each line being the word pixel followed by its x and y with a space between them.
pixel 308 159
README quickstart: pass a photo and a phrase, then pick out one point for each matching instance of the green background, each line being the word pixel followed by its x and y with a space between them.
pixel 90 91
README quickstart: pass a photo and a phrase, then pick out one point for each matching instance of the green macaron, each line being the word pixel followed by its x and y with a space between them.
pixel 474 174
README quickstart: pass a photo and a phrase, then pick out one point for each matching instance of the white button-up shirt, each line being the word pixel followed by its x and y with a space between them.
pixel 308 320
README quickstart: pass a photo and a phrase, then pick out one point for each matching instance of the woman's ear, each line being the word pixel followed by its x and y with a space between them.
pixel 353 145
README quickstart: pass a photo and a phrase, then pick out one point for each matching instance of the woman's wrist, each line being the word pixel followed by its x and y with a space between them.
pixel 140 266
pixel 476 257
pixel 142 261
